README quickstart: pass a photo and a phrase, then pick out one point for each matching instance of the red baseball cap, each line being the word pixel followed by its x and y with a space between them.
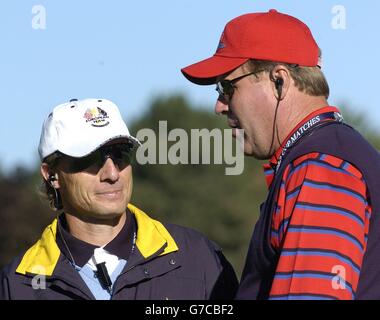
pixel 271 36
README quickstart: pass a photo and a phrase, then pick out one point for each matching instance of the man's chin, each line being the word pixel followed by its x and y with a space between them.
pixel 108 213
pixel 249 150
pixel 252 152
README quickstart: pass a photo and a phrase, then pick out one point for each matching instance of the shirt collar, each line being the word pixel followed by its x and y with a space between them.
pixel 121 245
pixel 271 165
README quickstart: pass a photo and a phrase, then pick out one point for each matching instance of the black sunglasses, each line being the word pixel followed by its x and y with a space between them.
pixel 120 153
pixel 226 88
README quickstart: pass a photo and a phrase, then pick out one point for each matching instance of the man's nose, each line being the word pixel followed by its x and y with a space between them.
pixel 109 171
pixel 221 106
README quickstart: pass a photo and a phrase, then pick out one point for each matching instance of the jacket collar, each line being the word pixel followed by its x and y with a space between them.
pixel 82 251
pixel 43 256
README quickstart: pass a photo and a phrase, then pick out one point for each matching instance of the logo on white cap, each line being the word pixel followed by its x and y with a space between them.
pixel 97 116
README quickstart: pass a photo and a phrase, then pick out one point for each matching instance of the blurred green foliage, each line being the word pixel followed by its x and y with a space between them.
pixel 224 207
pixel 202 197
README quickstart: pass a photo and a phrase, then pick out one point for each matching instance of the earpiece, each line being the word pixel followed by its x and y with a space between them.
pixel 52 178
pixel 56 203
pixel 278 84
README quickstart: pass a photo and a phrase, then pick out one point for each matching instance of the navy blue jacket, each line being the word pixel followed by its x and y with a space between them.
pixel 169 262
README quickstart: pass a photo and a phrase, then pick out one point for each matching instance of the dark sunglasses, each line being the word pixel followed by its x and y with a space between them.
pixel 226 88
pixel 120 153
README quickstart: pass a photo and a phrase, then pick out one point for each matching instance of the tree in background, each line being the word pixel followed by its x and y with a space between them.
pixel 199 196
pixel 23 215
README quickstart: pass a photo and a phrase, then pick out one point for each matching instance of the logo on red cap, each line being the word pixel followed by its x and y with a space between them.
pixel 221 44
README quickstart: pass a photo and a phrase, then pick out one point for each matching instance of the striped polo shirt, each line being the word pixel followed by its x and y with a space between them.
pixel 320 225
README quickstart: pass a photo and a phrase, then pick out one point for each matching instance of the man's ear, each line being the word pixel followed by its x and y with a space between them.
pixel 280 76
pixel 49 175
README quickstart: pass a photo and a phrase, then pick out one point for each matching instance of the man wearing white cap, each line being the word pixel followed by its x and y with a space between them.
pixel 102 247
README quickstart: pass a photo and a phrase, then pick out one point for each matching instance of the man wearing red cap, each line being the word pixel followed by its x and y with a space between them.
pixel 318 234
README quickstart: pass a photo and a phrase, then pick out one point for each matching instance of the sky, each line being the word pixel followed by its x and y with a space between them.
pixel 132 51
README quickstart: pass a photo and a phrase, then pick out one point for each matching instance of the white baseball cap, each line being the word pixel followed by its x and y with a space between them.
pixel 79 127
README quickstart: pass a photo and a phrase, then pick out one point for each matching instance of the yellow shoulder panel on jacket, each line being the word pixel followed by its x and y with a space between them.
pixel 151 234
pixel 43 256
